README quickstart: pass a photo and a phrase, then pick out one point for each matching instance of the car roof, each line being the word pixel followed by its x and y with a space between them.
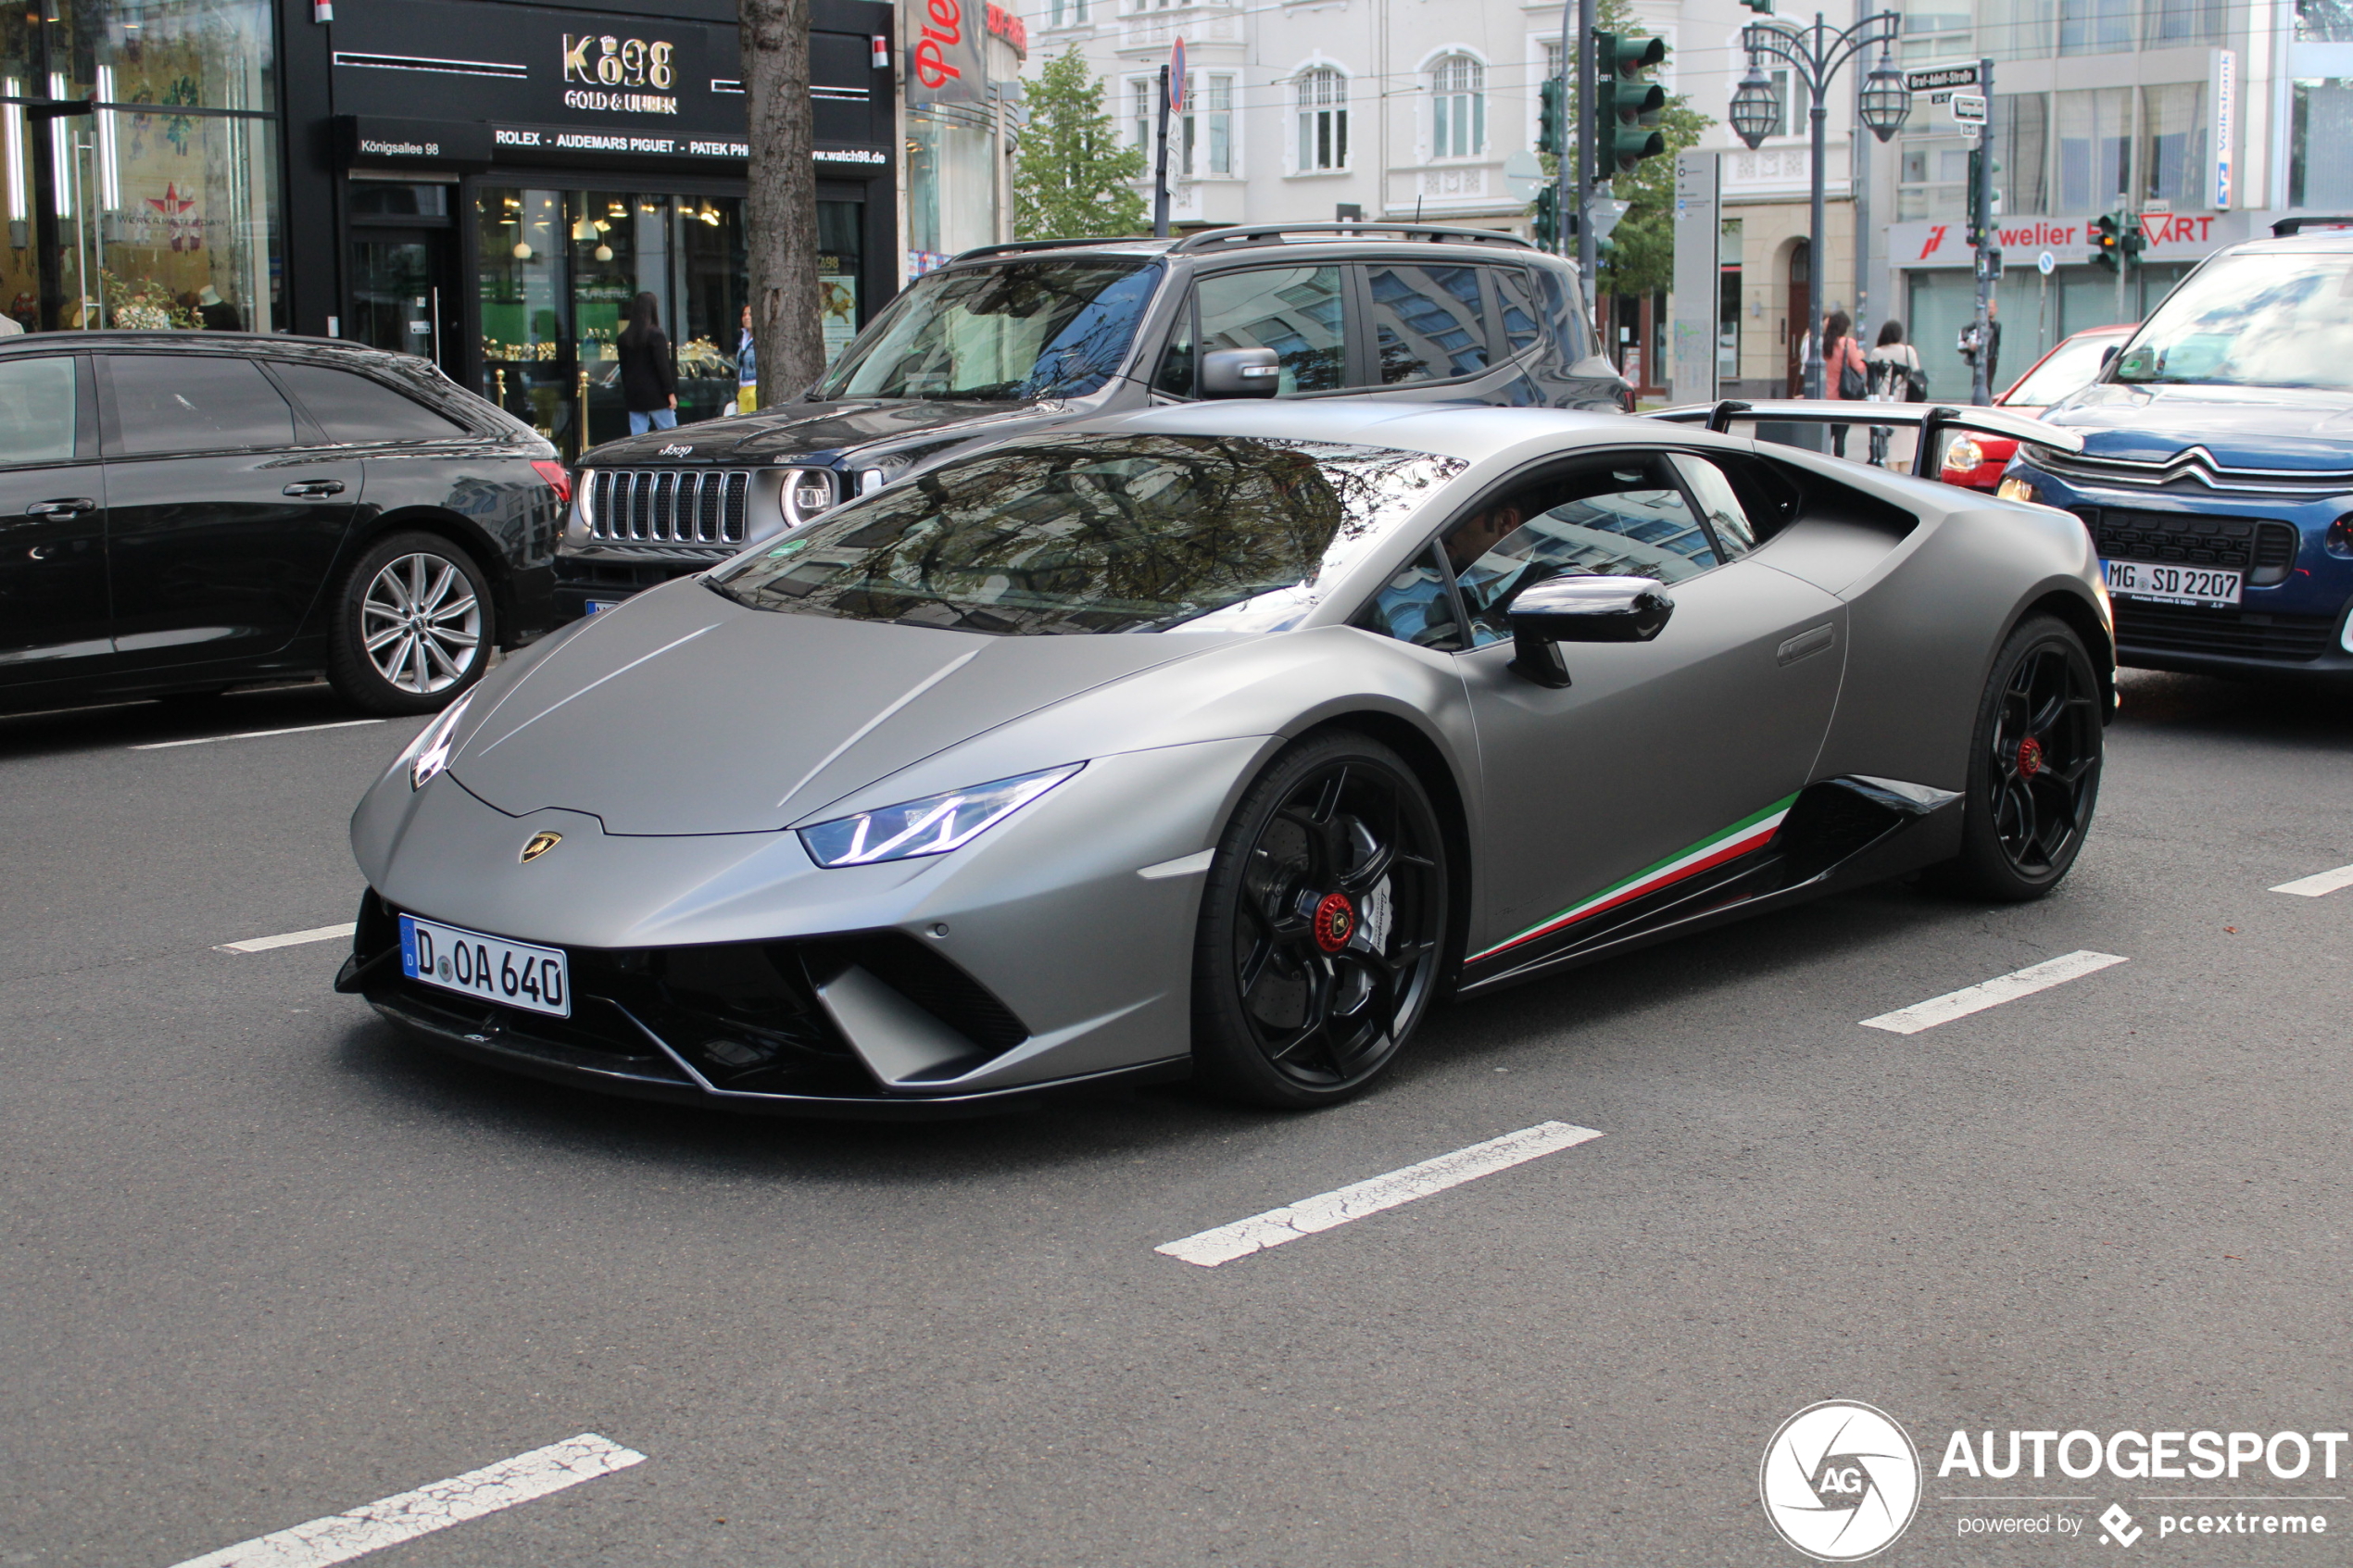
pixel 2326 240
pixel 1389 240
pixel 202 341
pixel 1471 431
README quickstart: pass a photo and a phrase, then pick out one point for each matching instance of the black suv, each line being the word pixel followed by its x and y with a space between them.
pixel 186 511
pixel 1008 339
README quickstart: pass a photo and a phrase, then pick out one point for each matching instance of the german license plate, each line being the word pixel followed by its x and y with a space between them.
pixel 2173 585
pixel 488 967
pixel 597 604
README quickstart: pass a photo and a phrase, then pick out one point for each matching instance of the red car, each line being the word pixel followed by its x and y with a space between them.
pixel 1976 459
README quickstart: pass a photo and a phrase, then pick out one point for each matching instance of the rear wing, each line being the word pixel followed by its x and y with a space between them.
pixel 1934 420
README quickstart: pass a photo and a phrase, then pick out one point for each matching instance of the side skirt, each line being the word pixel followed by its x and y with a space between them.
pixel 1838 833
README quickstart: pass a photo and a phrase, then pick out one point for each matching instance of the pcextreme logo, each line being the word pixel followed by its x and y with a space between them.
pixel 1840 1481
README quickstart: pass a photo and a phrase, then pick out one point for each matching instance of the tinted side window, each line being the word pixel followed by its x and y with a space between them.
pixel 1176 376
pixel 37 406
pixel 1294 310
pixel 354 408
pixel 196 403
pixel 1627 521
pixel 1427 323
pixel 1416 606
pixel 1719 502
pixel 1522 325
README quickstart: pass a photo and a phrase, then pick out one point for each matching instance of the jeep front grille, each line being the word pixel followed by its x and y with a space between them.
pixel 668 506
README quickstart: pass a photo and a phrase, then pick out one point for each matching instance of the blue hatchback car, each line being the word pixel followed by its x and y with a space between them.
pixel 2217 470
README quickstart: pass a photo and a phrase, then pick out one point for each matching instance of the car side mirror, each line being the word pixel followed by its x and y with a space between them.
pixel 1241 373
pixel 2107 354
pixel 1581 609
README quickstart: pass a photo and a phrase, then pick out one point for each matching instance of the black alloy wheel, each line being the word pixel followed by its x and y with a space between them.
pixel 1323 926
pixel 412 626
pixel 2035 767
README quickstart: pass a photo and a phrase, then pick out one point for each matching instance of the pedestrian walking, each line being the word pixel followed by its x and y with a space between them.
pixel 1842 377
pixel 648 381
pixel 1895 376
pixel 747 369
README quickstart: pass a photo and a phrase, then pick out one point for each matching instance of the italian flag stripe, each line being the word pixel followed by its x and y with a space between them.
pixel 1751 833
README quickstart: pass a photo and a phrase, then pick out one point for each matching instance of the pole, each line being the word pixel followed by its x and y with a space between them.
pixel 1572 154
pixel 1982 202
pixel 1159 166
pixel 1587 155
pixel 2126 222
pixel 1815 262
pixel 1858 160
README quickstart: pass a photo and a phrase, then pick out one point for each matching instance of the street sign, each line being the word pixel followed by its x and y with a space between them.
pixel 1522 174
pixel 1940 76
pixel 2157 203
pixel 1968 108
pixel 1176 77
pixel 2046 264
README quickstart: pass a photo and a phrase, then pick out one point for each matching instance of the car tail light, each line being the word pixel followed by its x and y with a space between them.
pixel 558 477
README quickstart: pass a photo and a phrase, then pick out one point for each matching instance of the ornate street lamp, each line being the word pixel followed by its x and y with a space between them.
pixel 1885 103
pixel 1814 55
pixel 1757 112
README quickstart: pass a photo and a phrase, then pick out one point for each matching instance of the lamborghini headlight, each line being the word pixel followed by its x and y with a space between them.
pixel 933 825
pixel 429 753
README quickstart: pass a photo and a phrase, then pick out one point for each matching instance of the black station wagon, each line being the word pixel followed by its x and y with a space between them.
pixel 187 511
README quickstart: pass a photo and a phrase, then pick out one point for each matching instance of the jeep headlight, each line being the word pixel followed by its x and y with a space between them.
pixel 933 825
pixel 806 493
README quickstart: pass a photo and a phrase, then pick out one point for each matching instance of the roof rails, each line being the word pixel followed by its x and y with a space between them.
pixel 2286 227
pixel 1277 233
pixel 1015 246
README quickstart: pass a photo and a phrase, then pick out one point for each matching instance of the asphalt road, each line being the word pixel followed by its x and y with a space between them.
pixel 261 1261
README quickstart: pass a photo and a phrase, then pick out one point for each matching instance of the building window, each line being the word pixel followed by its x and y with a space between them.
pixel 2022 148
pixel 2094 27
pixel 1932 179
pixel 2174 23
pixel 1067 13
pixel 1458 90
pixel 2321 149
pixel 1781 103
pixel 2095 148
pixel 2173 143
pixel 1322 96
pixel 1935 30
pixel 1219 107
pixel 1139 113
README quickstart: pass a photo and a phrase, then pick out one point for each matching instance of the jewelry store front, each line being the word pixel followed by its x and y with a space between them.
pixel 505 178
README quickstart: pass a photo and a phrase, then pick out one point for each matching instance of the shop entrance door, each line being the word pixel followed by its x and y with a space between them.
pixel 403 272
pixel 401 297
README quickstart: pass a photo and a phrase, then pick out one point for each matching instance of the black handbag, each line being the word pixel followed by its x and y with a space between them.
pixel 1851 387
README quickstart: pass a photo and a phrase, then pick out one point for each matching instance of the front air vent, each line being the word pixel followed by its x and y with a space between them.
pixel 2274 554
pixel 668 506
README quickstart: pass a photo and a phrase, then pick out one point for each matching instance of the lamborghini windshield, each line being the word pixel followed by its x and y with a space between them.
pixel 2259 319
pixel 1010 332
pixel 1098 533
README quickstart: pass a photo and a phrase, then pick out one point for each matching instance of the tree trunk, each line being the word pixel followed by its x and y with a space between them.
pixel 780 218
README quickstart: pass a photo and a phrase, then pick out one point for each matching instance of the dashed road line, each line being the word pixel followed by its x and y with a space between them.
pixel 339 1537
pixel 290 939
pixel 2318 884
pixel 1224 1243
pixel 254 735
pixel 1992 993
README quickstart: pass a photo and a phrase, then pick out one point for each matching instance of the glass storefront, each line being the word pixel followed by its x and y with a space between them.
pixel 951 184
pixel 166 197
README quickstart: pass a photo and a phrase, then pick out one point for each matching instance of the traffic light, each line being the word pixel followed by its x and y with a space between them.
pixel 1551 118
pixel 2107 241
pixel 2135 240
pixel 1548 218
pixel 1626 107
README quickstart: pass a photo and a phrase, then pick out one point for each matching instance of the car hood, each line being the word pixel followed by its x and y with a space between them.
pixel 2240 427
pixel 683 712
pixel 823 430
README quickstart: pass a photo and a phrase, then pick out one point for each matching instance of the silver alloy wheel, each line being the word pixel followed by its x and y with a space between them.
pixel 421 624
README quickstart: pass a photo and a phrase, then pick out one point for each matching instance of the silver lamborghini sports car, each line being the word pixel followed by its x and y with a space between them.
pixel 1221 740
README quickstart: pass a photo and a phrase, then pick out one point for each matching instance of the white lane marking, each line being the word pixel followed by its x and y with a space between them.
pixel 1992 993
pixel 339 1537
pixel 290 939
pixel 2315 885
pixel 1184 865
pixel 1326 1209
pixel 255 735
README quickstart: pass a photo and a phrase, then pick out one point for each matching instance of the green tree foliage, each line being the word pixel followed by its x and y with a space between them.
pixel 1645 262
pixel 1071 179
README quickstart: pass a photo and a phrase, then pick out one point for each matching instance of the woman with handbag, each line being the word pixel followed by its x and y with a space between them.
pixel 1842 374
pixel 1896 376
